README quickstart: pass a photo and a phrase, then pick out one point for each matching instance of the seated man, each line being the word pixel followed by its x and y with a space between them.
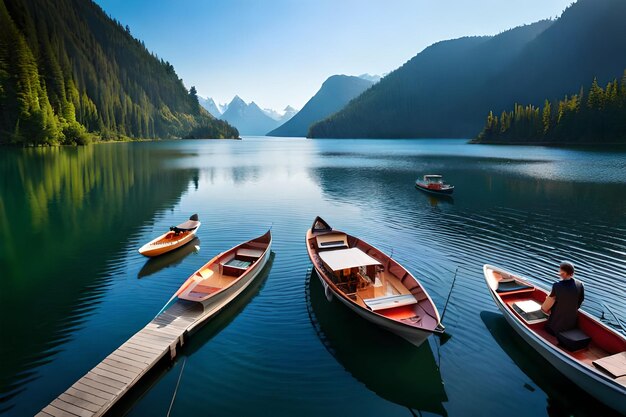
pixel 563 302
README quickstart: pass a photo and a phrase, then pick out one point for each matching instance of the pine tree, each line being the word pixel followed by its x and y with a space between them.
pixel 547 116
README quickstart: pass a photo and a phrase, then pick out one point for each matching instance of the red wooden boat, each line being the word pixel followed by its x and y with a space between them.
pixel 598 365
pixel 372 284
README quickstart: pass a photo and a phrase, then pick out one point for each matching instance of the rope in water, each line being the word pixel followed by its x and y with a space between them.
pixel 176 389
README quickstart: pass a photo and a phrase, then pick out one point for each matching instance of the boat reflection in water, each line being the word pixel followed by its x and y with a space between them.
pixel 196 341
pixel 154 265
pixel 435 200
pixel 386 364
pixel 565 398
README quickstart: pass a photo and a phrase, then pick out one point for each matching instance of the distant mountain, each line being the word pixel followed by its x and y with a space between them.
pixel 249 119
pixel 70 73
pixel 446 90
pixel 288 113
pixel 210 106
pixel 272 113
pixel 370 77
pixel 334 94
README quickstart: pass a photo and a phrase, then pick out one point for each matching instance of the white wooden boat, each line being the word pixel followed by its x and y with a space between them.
pixel 598 368
pixel 372 284
pixel 224 277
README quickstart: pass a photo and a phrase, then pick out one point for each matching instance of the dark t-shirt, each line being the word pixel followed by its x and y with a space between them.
pixel 569 295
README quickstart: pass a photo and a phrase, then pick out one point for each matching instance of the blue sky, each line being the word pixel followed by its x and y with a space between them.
pixel 279 52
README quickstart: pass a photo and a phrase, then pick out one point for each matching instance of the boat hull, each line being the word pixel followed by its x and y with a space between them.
pixel 411 334
pixel 151 252
pixel 443 191
pixel 608 392
pixel 216 303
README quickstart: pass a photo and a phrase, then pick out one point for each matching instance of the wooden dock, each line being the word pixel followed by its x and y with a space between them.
pixel 96 392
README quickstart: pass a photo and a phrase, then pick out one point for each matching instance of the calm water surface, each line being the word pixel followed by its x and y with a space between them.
pixel 73 286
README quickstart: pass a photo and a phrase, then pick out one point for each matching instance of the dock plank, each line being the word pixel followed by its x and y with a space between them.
pixel 79 402
pixel 71 408
pixel 105 381
pixel 121 365
pixel 126 361
pixel 91 390
pixel 118 371
pixel 85 396
pixel 131 356
pixel 53 411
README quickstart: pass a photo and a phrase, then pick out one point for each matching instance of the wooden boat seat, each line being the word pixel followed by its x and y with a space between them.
pixel 614 365
pixel 506 286
pixel 381 303
pixel 332 241
pixel 205 273
pixel 249 253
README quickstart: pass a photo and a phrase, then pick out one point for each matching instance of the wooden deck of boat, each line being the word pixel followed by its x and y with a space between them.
pixel 98 390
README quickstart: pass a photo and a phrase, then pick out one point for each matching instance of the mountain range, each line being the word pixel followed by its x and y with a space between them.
pixel 447 89
pixel 209 105
pixel 252 120
pixel 333 95
pixel 70 73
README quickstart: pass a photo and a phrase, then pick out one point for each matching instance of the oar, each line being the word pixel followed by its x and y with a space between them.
pixel 619 322
pixel 445 336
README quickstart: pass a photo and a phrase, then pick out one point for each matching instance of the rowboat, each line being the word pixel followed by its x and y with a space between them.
pixel 562 394
pixel 371 284
pixel 434 184
pixel 224 277
pixel 177 236
pixel 593 356
pixel 409 377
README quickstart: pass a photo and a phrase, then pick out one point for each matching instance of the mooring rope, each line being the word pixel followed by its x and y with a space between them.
pixel 176 389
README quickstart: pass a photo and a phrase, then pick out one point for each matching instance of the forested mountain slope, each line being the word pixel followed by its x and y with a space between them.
pixel 66 69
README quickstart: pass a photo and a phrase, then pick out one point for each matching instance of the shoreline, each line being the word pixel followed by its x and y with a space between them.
pixel 103 142
pixel 553 144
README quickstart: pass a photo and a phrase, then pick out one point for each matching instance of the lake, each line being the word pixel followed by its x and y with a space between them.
pixel 73 287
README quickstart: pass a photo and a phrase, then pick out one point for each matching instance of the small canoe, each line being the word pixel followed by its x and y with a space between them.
pixel 598 365
pixel 177 236
pixel 224 277
pixel 434 184
pixel 371 284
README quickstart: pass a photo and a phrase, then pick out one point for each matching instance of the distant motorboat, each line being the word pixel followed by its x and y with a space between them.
pixel 177 236
pixel 434 184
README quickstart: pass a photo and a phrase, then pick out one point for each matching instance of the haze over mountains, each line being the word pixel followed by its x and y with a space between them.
pixel 447 89
pixel 334 94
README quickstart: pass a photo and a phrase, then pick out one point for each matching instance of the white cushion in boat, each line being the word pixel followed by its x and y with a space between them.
pixel 250 253
pixel 381 303
pixel 332 241
pixel 615 365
